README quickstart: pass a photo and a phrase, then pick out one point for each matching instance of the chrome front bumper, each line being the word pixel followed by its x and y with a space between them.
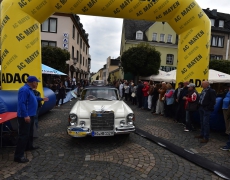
pixel 76 131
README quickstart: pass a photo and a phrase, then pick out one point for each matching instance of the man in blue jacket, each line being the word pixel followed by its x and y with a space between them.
pixel 26 110
pixel 207 102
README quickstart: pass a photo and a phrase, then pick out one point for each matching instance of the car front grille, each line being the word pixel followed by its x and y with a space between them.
pixel 102 121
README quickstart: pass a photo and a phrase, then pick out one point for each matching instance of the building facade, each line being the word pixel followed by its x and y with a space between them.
pixel 157 34
pixel 67 32
pixel 220 34
pixel 112 65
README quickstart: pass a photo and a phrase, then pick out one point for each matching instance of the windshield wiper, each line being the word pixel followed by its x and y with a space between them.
pixel 100 99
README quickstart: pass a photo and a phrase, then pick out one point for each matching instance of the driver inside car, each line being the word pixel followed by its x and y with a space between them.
pixel 111 95
pixel 90 95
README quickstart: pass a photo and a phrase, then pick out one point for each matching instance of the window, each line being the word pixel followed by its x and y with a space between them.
pixel 169 40
pixel 73 32
pixel 154 36
pixel 217 41
pixel 169 59
pixel 212 22
pixel 162 38
pixel 72 52
pixel 139 35
pixel 77 37
pixel 83 61
pixel 216 57
pixel 77 55
pixel 50 25
pixel 80 58
pixel 81 43
pixel 49 43
pixel 221 23
pixel 83 47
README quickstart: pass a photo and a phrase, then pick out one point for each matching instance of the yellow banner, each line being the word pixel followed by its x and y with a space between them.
pixel 21 53
pixel 21 47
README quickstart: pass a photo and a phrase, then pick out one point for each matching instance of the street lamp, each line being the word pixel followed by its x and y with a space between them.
pixel 119 65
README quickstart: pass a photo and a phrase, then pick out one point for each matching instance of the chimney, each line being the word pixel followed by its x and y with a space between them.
pixel 214 12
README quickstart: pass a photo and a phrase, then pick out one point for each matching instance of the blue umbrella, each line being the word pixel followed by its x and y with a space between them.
pixel 50 70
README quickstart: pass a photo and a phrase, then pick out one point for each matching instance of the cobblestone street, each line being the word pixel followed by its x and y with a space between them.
pixel 118 157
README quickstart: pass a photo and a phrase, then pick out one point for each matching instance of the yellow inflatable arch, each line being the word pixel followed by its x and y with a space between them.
pixel 21 42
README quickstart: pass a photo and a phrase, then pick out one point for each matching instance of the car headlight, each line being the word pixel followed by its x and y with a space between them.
pixel 73 119
pixel 130 118
pixel 122 123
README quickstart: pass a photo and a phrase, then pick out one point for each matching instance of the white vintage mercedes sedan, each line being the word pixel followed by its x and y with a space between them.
pixel 100 112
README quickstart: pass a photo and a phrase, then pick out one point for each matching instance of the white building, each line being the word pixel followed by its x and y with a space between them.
pixel 65 31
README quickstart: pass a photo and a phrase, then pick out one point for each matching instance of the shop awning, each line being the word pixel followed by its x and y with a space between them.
pixel 49 70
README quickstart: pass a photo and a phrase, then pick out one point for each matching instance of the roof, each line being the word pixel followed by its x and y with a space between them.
pixel 213 14
pixel 132 26
pixel 100 87
pixel 114 62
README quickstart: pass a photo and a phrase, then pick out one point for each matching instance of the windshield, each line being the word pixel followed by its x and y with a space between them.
pixel 99 94
pixel 98 83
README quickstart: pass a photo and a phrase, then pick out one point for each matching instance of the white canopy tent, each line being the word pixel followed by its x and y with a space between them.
pixel 213 77
pixel 157 77
pixel 218 77
pixel 170 76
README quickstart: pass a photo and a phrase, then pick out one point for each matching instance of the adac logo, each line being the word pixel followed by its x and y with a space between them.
pixel 14 78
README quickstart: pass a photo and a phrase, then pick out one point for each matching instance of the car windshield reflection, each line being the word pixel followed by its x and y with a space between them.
pixel 99 94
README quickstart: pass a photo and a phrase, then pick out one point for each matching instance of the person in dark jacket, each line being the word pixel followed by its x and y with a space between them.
pixel 38 94
pixel 192 97
pixel 61 94
pixel 207 102
pixel 176 95
pixel 155 97
pixel 181 113
pixel 140 93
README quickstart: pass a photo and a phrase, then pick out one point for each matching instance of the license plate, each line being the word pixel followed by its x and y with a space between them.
pixel 99 115
pixel 102 133
pixel 76 133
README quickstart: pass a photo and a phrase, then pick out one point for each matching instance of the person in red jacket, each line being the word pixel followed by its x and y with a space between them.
pixel 145 91
pixel 191 97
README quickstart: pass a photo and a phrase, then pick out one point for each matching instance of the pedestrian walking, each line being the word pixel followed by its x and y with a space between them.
pixel 61 94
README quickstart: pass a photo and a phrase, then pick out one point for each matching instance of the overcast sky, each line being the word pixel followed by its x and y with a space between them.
pixel 105 33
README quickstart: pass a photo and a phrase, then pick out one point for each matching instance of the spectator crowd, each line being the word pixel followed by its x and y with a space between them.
pixel 181 105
